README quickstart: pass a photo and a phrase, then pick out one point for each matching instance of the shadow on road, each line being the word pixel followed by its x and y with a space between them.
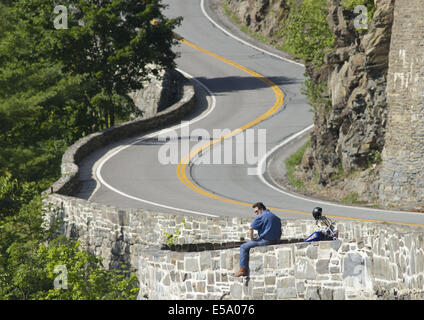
pixel 237 83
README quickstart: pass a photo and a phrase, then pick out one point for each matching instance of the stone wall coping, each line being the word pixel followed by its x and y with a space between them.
pixel 207 246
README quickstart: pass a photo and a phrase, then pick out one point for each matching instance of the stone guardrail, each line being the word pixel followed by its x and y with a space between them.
pixel 69 180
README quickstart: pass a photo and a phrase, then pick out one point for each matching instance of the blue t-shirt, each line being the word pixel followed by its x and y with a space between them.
pixel 268 226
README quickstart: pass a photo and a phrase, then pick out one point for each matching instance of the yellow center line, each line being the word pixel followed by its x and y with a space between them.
pixel 181 168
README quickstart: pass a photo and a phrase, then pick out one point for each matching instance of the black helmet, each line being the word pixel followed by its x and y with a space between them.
pixel 317 213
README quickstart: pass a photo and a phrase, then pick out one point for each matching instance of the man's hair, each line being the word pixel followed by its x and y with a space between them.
pixel 259 205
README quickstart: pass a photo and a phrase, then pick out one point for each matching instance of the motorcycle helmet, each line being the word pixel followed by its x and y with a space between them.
pixel 317 213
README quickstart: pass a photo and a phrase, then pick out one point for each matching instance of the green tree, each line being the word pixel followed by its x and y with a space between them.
pixel 42 109
pixel 112 43
pixel 13 195
pixel 59 85
pixel 78 275
pixel 4 16
pixel 30 255
pixel 55 87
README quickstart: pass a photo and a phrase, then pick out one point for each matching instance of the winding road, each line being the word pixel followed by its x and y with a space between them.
pixel 250 93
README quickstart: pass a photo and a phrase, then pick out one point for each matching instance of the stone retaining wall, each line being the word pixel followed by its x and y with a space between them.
pixel 369 261
pixel 402 173
pixel 118 235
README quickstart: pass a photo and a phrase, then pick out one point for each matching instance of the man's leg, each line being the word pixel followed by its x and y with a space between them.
pixel 244 255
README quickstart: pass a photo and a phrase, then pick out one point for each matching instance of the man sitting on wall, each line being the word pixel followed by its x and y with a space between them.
pixel 268 226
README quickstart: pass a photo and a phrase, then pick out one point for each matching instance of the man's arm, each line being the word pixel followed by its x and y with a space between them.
pixel 256 225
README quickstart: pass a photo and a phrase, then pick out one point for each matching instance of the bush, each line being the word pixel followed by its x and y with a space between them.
pixel 306 32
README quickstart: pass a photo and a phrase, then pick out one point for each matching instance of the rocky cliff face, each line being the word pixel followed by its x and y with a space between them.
pixel 348 137
pixel 261 16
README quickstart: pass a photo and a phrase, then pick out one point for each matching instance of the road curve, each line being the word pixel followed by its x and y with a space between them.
pixel 239 88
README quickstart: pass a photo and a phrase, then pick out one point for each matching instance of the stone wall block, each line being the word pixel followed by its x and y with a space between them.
pixel 191 263
pixel 205 260
pixel 229 261
pixel 304 269
pixel 312 251
pixel 270 261
pixel 312 293
pixel 300 288
pixel 285 258
pixel 338 294
pixel 236 290
pixel 286 288
pixel 322 266
pixel 256 263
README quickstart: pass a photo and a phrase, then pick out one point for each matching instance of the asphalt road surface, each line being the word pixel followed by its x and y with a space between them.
pixel 249 96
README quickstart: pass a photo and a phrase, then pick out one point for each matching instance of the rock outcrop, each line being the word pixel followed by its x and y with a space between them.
pixel 350 121
pixel 367 141
pixel 158 93
pixel 349 136
pixel 261 16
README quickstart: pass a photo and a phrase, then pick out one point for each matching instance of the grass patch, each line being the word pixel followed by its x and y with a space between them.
pixel 315 92
pixel 292 163
pixel 229 13
pixel 375 158
pixel 339 174
pixel 352 198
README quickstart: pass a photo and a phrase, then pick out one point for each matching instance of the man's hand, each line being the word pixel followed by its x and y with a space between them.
pixel 251 234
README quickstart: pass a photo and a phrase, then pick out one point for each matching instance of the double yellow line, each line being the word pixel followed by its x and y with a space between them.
pixel 181 169
pixel 279 100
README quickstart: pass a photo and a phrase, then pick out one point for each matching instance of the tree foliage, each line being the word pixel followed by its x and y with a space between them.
pixel 31 254
pixel 59 85
pixel 56 86
pixel 111 44
pixel 13 195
